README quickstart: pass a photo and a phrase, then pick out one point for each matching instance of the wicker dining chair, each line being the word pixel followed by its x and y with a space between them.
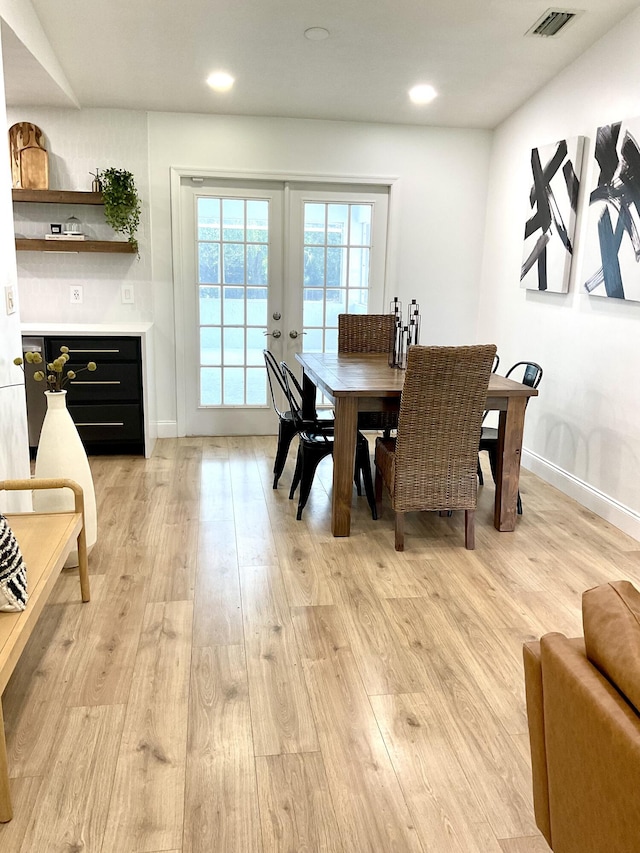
pixel 368 333
pixel 431 465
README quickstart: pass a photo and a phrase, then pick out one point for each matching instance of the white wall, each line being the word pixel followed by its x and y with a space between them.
pixel 437 214
pixel 14 446
pixel 23 20
pixel 582 431
pixel 78 142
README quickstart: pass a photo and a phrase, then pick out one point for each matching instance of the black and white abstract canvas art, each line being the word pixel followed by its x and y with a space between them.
pixel 612 241
pixel 553 202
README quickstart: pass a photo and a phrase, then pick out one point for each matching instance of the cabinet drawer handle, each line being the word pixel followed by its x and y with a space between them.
pixel 114 424
pixel 97 382
pixel 94 350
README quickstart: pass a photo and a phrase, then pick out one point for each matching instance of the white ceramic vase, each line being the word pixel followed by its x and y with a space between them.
pixel 62 454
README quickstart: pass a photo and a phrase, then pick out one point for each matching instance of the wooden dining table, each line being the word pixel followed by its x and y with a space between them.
pixel 365 383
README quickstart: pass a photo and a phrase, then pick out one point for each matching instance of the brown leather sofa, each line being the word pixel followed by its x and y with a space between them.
pixel 583 708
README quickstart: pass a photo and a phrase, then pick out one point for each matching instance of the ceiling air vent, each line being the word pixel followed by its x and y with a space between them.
pixel 552 22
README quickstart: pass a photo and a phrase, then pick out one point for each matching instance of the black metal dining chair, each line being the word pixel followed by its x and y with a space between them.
pixel 528 373
pixel 315 443
pixel 287 428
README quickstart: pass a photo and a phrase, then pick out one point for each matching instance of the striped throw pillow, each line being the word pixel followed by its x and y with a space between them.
pixel 13 572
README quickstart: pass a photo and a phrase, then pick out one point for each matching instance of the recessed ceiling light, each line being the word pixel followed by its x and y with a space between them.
pixel 422 94
pixel 316 34
pixel 220 81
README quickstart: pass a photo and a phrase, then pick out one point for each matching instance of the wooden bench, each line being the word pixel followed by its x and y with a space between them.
pixel 46 540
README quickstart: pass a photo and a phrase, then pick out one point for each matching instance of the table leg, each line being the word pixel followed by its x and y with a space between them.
pixel 344 452
pixel 6 812
pixel 510 432
pixel 308 398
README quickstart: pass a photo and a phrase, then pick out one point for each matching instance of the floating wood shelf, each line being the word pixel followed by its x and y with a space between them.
pixel 111 246
pixel 57 196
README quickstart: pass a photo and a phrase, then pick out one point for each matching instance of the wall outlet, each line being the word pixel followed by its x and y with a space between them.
pixel 10 299
pixel 75 294
pixel 127 293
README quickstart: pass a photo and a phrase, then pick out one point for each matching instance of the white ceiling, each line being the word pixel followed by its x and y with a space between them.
pixel 156 54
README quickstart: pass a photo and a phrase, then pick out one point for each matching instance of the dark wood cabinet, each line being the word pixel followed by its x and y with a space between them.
pixel 106 404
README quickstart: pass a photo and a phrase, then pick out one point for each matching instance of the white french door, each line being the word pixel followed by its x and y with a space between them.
pixel 267 264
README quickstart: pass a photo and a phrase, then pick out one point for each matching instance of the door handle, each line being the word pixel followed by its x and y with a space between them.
pixel 275 334
pixel 293 334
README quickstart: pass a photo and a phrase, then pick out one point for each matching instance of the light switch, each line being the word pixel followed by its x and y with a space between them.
pixel 9 299
pixel 127 294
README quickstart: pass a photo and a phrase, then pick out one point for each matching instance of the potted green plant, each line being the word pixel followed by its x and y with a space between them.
pixel 121 202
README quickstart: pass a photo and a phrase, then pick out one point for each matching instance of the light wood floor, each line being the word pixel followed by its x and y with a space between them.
pixel 244 683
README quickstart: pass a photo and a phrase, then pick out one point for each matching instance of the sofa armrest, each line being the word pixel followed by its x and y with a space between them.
pixel 592 739
pixel 535 717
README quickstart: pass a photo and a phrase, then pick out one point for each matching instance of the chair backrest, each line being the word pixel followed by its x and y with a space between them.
pixel 441 409
pixel 293 392
pixel 530 373
pixel 276 380
pixel 496 363
pixel 367 333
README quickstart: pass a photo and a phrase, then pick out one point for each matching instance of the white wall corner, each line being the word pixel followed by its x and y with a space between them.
pixel 606 507
pixel 167 429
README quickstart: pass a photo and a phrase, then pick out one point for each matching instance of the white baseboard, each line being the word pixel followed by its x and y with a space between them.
pixel 167 429
pixel 606 507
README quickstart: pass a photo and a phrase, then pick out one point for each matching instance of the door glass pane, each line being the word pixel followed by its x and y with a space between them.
pixel 208 219
pixel 232 250
pixel 210 386
pixel 209 263
pixel 257 306
pixel 210 345
pixel 233 386
pixel 209 306
pixel 336 269
pixel 314 224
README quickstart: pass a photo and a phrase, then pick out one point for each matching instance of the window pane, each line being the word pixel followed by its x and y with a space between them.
pixel 336 304
pixel 233 263
pixel 313 340
pixel 257 221
pixel 313 307
pixel 255 345
pixel 210 386
pixel 358 301
pixel 331 340
pixel 314 266
pixel 210 345
pixel 234 346
pixel 233 219
pixel 314 223
pixel 358 267
pixel 257 306
pixel 338 222
pixel 209 306
pixel 208 219
pixel 256 386
pixel 336 267
pixel 257 264
pixel 233 386
pixel 360 233
pixel 208 263
pixel 233 309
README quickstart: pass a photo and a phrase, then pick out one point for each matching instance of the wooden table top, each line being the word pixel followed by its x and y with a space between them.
pixel 370 375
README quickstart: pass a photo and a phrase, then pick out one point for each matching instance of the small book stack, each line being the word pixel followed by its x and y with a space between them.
pixel 64 236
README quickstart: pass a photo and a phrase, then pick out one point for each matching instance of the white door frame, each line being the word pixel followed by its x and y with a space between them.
pixel 177 173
